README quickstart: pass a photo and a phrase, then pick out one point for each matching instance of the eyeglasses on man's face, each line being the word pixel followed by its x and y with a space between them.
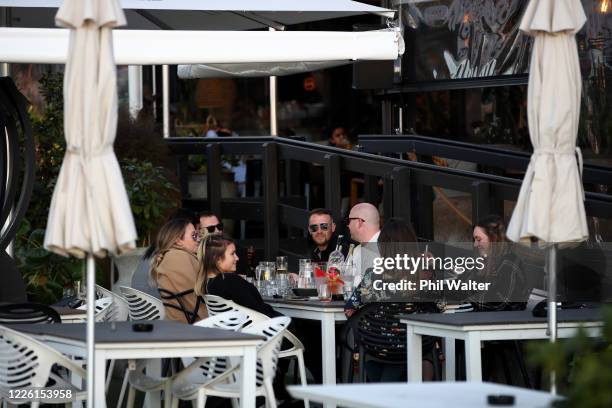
pixel 211 228
pixel 349 219
pixel 315 227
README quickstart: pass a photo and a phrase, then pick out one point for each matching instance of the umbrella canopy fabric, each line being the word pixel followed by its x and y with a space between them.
pixel 550 205
pixel 90 211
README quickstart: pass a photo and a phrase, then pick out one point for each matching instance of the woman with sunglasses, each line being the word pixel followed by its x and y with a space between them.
pixel 216 275
pixel 174 268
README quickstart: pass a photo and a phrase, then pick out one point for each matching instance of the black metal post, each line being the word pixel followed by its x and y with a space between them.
pixel 480 200
pixel 213 177
pixel 387 200
pixel 182 174
pixel 401 193
pixel 333 197
pixel 425 220
pixel 370 189
pixel 270 199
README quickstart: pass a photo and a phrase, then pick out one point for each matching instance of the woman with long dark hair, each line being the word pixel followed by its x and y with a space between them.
pixel 217 275
pixel 503 269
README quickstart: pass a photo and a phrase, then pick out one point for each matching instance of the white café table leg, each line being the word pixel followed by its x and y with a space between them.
pixel 99 380
pixel 473 362
pixel 414 351
pixel 449 362
pixel 153 369
pixel 328 350
pixel 328 344
pixel 247 373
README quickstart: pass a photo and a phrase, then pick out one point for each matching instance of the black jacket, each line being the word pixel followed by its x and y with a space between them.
pixel 232 287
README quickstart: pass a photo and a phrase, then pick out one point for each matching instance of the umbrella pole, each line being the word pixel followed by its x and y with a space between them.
pixel 552 307
pixel 91 307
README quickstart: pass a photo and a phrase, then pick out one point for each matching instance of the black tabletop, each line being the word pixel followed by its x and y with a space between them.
pixel 486 318
pixel 163 331
pixel 67 311
pixel 307 302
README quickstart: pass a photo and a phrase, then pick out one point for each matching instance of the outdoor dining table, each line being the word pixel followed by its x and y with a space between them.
pixel 167 339
pixel 475 327
pixel 328 313
pixel 69 315
pixel 422 395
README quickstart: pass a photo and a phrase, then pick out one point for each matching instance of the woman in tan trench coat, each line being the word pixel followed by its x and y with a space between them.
pixel 174 268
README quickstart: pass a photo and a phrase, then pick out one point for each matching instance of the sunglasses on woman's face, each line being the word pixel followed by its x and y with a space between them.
pixel 211 228
pixel 195 235
pixel 315 227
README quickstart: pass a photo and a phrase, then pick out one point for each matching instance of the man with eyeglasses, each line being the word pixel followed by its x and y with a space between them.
pixel 210 224
pixel 321 228
pixel 364 224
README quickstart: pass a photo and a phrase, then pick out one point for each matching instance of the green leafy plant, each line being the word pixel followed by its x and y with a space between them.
pixel 46 274
pixel 584 361
pixel 151 195
pixel 48 131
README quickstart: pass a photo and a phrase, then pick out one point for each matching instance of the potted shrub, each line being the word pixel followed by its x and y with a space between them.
pixel 585 364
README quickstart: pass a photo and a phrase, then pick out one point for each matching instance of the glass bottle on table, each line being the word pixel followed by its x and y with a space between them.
pixel 281 265
pixel 336 259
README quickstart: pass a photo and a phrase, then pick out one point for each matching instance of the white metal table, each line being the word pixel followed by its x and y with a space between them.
pixel 476 327
pixel 422 395
pixel 167 340
pixel 328 313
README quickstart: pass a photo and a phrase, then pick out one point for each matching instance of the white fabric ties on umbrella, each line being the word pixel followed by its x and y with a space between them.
pixel 90 211
pixel 550 206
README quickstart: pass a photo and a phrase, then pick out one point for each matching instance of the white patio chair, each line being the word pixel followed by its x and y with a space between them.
pixel 140 381
pixel 143 306
pixel 120 310
pixel 217 304
pixel 103 308
pixel 190 384
pixel 26 363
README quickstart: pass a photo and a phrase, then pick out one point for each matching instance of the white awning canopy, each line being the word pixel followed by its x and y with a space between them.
pixel 149 47
pixel 202 14
pixel 253 70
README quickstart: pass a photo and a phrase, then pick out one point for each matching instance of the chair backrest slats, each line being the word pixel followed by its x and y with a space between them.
pixel 217 304
pixel 142 306
pixel 16 313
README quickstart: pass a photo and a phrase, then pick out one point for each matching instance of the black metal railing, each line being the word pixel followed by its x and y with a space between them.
pixel 483 155
pixel 407 186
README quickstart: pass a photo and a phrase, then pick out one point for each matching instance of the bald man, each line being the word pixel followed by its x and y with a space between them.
pixel 364 224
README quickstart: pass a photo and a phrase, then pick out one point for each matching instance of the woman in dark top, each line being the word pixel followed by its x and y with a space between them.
pixel 503 269
pixel 217 275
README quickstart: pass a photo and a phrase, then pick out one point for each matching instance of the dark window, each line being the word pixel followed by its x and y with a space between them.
pixel 458 39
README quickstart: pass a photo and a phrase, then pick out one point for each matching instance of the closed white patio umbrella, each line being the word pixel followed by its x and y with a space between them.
pixel 550 205
pixel 90 212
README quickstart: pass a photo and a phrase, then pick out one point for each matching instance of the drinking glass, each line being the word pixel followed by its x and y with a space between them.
pixel 325 294
pixel 68 292
pixel 302 263
pixel 282 282
pixel 348 290
pixel 81 290
pixel 281 265
pixel 270 270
